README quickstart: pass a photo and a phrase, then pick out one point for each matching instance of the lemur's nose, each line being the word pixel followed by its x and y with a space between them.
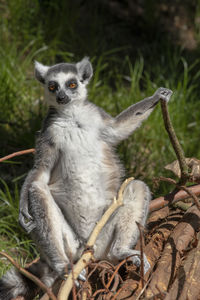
pixel 62 98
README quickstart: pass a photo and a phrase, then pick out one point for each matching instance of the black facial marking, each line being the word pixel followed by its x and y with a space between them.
pixel 72 84
pixel 138 113
pixel 52 86
pixel 85 76
pixel 62 98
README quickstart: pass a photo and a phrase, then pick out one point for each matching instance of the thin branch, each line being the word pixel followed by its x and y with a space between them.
pixel 175 143
pixel 32 150
pixel 192 195
pixel 115 272
pixel 173 197
pixel 141 253
pixel 29 275
pixel 88 254
pixel 98 292
pixel 182 187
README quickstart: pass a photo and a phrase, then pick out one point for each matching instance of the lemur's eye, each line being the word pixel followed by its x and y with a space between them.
pixel 52 86
pixel 72 85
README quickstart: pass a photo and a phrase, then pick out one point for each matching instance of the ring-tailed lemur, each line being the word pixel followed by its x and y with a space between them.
pixel 75 177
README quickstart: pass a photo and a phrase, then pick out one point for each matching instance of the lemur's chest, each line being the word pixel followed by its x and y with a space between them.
pixel 77 138
pixel 74 136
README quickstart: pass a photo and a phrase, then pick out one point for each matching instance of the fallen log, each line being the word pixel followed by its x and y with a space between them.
pixel 157 241
pixel 186 285
pixel 170 260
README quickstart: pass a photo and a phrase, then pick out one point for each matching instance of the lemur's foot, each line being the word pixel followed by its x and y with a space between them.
pixel 81 276
pixel 164 93
pixel 137 262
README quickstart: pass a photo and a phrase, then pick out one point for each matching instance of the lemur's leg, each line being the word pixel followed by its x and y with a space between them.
pixel 53 235
pixel 123 225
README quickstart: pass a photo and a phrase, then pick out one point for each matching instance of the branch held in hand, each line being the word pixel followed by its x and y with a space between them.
pixel 175 143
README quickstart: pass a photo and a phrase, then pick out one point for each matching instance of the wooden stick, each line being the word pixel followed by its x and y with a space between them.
pixel 32 150
pixel 173 197
pixel 182 187
pixel 175 143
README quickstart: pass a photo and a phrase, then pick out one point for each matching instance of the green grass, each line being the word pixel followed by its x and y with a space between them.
pixel 13 239
pixel 121 78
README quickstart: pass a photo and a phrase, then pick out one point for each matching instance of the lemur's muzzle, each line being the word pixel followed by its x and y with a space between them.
pixel 62 98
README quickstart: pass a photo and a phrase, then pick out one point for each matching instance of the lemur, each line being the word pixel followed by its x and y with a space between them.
pixel 76 175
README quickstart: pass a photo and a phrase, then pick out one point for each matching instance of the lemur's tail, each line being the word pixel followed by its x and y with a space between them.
pixel 14 284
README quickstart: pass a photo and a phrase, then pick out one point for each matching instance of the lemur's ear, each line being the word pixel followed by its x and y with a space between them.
pixel 85 70
pixel 40 71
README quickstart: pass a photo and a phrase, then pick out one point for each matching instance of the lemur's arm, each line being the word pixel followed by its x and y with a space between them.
pixel 120 127
pixel 45 158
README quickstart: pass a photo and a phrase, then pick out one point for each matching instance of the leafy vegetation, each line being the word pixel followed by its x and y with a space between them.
pixel 55 31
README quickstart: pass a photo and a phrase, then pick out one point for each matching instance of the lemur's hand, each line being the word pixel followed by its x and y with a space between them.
pixel 163 93
pixel 26 220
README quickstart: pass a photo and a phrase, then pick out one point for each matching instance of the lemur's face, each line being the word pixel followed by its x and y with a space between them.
pixel 64 82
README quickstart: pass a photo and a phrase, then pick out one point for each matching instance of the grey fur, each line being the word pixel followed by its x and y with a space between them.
pixel 63 67
pixel 77 174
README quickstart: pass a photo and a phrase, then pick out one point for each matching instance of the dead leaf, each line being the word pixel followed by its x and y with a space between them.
pixel 193 164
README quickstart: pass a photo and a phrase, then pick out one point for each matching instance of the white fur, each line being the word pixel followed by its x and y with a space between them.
pixel 42 69
pixel 77 138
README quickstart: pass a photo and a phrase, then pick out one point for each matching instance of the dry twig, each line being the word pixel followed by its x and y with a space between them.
pixel 142 253
pixel 17 154
pixel 173 196
pixel 175 143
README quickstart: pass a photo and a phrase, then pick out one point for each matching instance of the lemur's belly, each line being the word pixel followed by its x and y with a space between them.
pixel 85 191
pixel 82 195
pixel 82 198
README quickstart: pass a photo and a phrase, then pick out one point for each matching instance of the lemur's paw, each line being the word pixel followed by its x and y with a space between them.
pixel 82 275
pixel 137 262
pixel 164 93
pixel 26 221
